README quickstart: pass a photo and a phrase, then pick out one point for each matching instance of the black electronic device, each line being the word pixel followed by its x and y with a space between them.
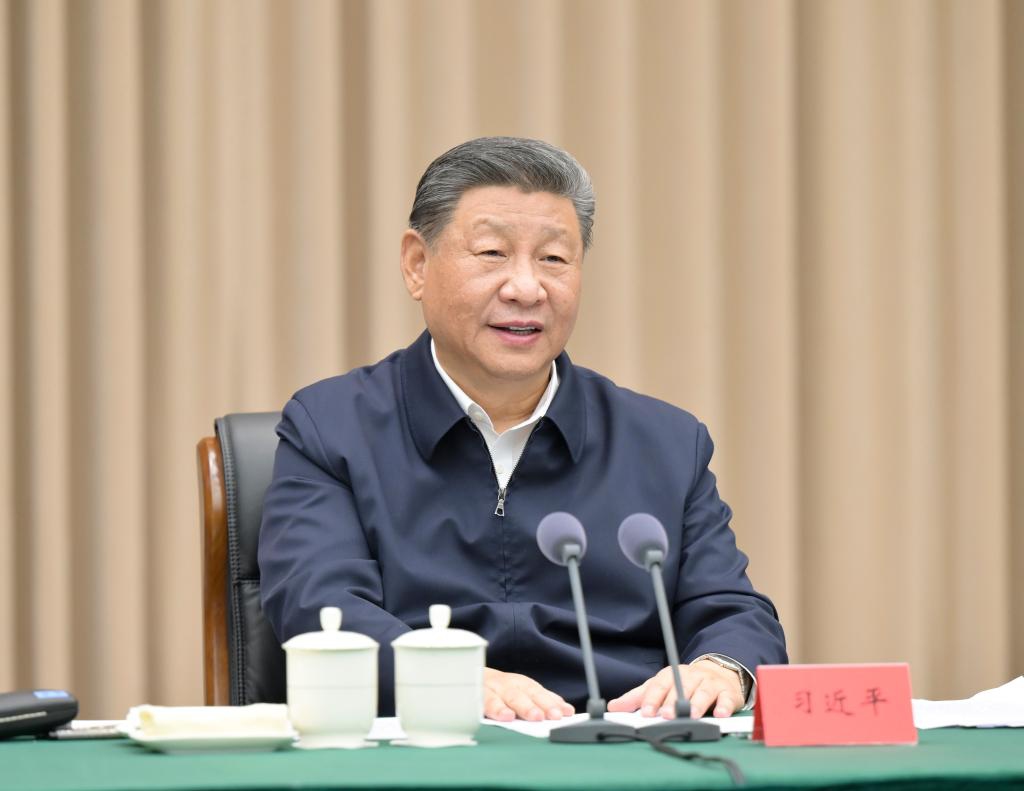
pixel 35 712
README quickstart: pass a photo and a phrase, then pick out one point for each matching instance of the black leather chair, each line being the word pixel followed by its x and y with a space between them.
pixel 242 660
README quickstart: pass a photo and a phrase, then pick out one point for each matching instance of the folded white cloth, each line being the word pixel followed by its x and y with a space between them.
pixel 261 718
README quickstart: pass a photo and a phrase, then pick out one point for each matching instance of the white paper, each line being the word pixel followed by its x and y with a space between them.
pixel 84 725
pixel 993 708
pixel 388 728
pixel 542 729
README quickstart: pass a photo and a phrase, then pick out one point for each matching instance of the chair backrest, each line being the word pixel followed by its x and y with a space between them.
pixel 242 660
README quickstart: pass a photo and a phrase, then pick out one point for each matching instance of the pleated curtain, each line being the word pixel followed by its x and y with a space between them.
pixel 810 233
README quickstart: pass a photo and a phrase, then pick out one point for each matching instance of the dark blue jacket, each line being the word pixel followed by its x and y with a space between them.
pixel 383 500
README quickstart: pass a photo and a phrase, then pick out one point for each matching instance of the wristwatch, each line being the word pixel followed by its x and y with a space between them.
pixel 729 664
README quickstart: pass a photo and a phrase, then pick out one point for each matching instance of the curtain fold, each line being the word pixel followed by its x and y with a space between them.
pixel 810 233
pixel 1013 31
pixel 41 351
pixel 8 582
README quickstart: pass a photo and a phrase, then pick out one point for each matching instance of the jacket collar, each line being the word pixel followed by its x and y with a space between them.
pixel 432 410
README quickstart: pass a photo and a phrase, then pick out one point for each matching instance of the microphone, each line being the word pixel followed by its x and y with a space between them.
pixel 644 542
pixel 561 539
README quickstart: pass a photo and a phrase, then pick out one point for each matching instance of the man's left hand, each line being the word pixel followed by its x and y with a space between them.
pixel 708 685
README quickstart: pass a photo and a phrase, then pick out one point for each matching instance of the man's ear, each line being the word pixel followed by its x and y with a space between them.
pixel 414 262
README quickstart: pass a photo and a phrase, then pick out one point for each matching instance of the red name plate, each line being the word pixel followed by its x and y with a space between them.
pixel 834 704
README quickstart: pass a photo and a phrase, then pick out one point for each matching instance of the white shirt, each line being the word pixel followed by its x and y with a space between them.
pixel 505 448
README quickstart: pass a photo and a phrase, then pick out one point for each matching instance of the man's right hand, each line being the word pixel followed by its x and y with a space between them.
pixel 511 695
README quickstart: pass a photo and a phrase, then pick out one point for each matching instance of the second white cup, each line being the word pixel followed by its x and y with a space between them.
pixel 439 682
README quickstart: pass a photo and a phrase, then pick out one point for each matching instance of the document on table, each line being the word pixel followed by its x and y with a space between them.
pixel 1002 707
pixel 387 728
pixel 741 725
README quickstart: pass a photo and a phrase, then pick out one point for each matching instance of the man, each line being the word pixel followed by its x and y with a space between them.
pixel 422 478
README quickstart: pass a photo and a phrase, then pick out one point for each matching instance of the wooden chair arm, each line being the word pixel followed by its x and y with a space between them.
pixel 214 542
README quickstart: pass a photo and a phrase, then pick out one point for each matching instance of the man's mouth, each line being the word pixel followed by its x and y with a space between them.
pixel 518 329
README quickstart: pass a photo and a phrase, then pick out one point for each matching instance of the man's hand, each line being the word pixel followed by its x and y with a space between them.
pixel 707 684
pixel 511 695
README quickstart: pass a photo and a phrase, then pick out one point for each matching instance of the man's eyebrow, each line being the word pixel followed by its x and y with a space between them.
pixel 557 231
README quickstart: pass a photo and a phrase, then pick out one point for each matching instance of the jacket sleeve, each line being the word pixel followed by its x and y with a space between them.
pixel 313 551
pixel 716 609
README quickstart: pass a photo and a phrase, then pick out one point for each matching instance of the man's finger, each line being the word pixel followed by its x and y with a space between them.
pixel 553 706
pixel 629 701
pixel 495 707
pixel 728 704
pixel 654 694
pixel 703 696
pixel 714 698
pixel 523 704
pixel 508 695
pixel 668 707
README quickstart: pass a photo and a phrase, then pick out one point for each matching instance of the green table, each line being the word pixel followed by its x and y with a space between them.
pixel 948 758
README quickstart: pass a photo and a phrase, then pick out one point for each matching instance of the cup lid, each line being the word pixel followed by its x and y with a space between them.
pixel 331 638
pixel 439 635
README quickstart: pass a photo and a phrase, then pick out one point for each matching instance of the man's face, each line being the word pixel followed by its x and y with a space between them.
pixel 501 288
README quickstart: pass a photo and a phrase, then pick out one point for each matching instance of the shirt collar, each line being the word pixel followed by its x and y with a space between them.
pixel 432 409
pixel 466 403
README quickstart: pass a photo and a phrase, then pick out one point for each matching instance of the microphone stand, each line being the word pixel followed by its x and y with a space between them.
pixel 682 728
pixel 596 728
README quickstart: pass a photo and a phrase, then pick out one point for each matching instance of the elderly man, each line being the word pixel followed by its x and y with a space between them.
pixel 422 478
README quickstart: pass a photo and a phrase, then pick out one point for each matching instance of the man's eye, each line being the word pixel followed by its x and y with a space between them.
pixel 554 259
pixel 490 253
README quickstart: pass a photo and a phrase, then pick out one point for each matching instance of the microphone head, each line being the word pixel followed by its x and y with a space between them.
pixel 555 531
pixel 640 533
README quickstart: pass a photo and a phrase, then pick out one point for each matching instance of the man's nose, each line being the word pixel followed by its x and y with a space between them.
pixel 523 283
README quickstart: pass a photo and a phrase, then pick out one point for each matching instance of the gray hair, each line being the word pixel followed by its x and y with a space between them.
pixel 530 165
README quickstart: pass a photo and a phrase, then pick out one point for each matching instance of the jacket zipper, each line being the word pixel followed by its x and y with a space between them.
pixel 499 509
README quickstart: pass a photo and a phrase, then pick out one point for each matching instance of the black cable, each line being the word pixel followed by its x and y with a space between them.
pixel 735 773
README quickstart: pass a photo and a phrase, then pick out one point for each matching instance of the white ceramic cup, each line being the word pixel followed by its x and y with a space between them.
pixel 439 683
pixel 332 685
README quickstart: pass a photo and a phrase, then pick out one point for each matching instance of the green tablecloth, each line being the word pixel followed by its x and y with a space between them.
pixel 948 758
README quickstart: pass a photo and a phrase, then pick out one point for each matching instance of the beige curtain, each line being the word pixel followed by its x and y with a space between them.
pixel 810 233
